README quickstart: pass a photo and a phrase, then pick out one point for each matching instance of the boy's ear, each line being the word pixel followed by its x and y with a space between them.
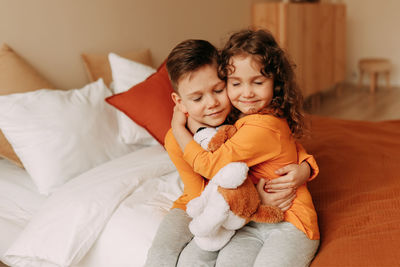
pixel 178 101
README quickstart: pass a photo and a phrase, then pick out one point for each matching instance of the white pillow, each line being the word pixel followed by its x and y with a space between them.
pixel 59 134
pixel 127 73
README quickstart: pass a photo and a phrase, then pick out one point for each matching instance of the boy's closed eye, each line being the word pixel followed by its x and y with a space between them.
pixel 197 99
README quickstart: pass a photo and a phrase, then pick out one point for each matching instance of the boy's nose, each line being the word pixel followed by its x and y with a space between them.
pixel 212 102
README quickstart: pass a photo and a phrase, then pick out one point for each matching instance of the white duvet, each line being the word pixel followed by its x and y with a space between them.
pixel 106 216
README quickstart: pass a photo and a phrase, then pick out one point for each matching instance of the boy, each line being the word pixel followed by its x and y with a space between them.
pixel 192 67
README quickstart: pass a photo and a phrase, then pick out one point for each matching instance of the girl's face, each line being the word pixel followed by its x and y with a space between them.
pixel 248 90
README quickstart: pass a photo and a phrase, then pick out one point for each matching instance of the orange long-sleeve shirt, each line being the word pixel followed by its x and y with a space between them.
pixel 265 144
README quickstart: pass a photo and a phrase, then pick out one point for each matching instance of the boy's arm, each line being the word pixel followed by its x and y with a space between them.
pixel 193 182
pixel 304 158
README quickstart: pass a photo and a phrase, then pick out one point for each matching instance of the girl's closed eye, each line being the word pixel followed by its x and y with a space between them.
pixel 218 91
pixel 235 83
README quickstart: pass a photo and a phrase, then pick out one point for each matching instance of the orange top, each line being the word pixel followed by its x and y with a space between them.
pixel 248 145
pixel 265 144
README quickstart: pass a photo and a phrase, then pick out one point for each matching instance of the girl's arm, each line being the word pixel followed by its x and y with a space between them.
pixel 304 157
pixel 251 144
pixel 294 175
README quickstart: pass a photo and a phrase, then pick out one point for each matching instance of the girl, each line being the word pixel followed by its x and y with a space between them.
pixel 267 103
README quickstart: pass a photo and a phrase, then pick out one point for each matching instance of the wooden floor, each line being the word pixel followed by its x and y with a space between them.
pixel 357 104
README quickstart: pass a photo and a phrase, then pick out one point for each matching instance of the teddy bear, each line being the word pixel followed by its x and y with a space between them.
pixel 229 201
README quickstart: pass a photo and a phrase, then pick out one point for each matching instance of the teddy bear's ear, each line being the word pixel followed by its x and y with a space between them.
pixel 224 133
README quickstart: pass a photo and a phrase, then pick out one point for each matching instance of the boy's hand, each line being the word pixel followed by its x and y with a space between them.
pixel 282 199
pixel 293 175
pixel 178 118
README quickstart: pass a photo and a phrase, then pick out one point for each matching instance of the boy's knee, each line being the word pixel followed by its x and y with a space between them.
pixel 192 255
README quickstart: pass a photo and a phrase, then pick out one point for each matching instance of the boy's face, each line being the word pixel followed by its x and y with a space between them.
pixel 203 96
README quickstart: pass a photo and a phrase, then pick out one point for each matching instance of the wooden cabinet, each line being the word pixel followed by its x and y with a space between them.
pixel 314 35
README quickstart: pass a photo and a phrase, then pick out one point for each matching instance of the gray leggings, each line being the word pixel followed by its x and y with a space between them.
pixel 173 242
pixel 255 244
pixel 263 244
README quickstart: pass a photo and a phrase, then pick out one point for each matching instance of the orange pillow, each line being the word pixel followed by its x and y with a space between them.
pixel 16 76
pixel 149 103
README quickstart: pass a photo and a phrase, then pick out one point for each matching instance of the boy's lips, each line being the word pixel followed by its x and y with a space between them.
pixel 215 113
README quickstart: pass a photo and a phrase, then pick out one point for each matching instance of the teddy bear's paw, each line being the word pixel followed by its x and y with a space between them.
pixel 206 224
pixel 195 207
pixel 233 222
pixel 231 175
pixel 215 242
pixel 268 214
pixel 213 216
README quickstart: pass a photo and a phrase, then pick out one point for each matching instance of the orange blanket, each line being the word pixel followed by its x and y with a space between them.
pixel 357 193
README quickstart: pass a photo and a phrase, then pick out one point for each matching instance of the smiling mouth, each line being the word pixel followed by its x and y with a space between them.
pixel 215 113
pixel 248 102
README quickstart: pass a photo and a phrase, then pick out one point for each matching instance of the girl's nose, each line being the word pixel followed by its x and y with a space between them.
pixel 247 91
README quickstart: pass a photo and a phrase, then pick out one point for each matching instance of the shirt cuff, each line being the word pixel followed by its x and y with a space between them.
pixel 313 165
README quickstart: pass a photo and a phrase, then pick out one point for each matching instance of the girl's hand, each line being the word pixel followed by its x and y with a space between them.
pixel 293 175
pixel 179 130
pixel 178 118
pixel 281 198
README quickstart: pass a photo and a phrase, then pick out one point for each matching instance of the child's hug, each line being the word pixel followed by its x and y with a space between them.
pixel 253 74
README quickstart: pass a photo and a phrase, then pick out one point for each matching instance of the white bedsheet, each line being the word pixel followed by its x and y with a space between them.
pixel 120 204
pixel 19 198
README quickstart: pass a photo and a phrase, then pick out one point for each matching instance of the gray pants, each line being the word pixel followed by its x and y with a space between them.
pixel 256 244
pixel 171 243
pixel 263 244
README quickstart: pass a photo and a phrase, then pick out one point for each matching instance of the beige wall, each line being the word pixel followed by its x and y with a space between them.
pixel 51 34
pixel 373 31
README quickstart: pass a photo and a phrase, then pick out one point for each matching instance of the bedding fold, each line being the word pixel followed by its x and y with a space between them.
pixel 72 218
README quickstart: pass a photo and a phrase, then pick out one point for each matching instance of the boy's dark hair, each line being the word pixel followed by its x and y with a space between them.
pixel 188 56
pixel 287 99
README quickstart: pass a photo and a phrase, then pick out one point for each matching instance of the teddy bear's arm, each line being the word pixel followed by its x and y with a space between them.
pixel 224 133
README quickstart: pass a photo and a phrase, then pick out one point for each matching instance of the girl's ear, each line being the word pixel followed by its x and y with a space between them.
pixel 178 102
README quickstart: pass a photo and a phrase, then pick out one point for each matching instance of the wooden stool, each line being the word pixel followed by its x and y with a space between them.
pixel 374 66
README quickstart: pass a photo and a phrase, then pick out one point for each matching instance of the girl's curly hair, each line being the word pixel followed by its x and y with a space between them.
pixel 287 99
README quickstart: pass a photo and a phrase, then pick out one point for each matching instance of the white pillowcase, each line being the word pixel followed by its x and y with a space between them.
pixel 59 134
pixel 127 73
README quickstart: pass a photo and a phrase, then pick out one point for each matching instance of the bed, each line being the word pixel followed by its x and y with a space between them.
pixel 73 205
